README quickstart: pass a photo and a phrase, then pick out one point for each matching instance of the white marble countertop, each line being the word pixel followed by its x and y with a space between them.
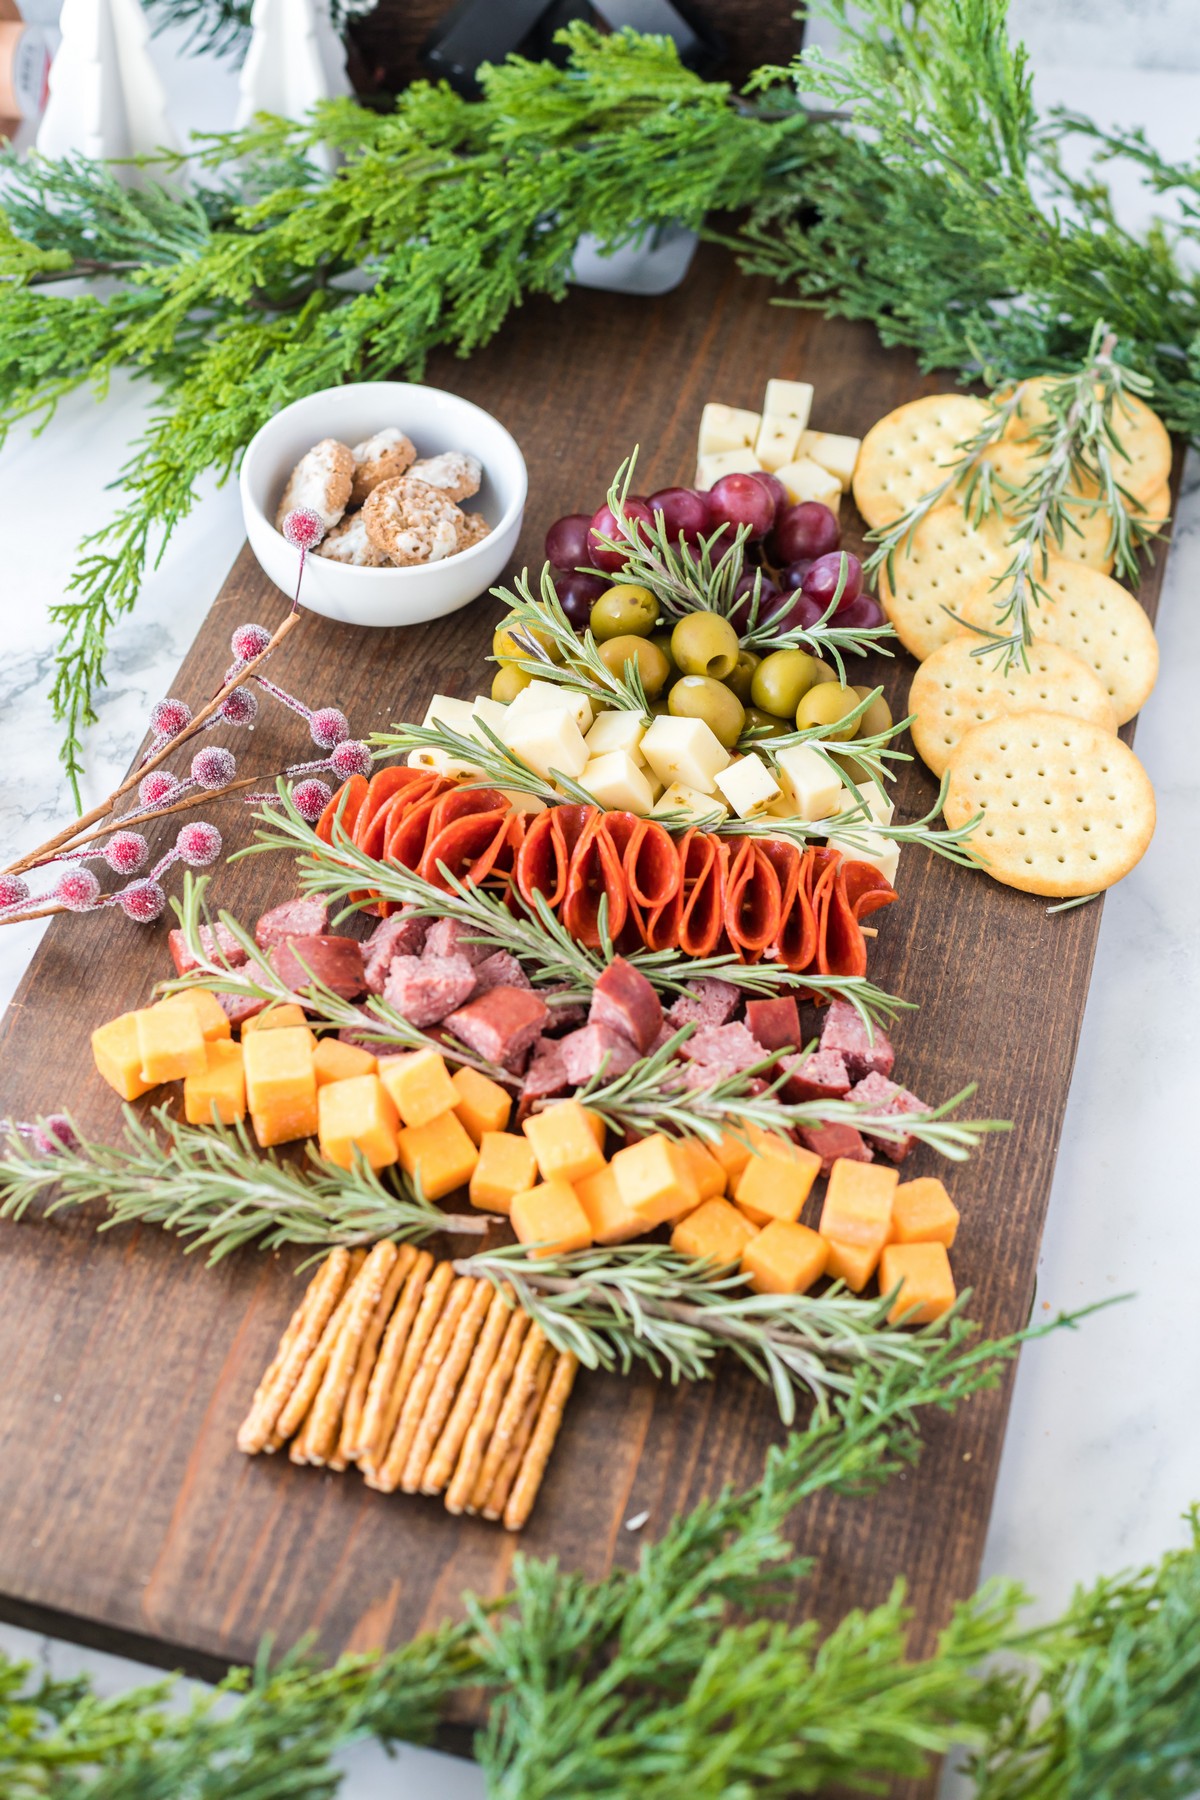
pixel 1101 1459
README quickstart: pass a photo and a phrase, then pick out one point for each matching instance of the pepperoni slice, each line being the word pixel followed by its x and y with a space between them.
pixel 466 848
pixel 866 889
pixel 797 943
pixel 653 873
pixel 349 797
pixel 752 908
pixel 701 917
pixel 390 797
pixel 594 878
pixel 545 854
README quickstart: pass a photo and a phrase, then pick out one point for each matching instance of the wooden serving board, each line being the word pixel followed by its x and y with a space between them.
pixel 129 1518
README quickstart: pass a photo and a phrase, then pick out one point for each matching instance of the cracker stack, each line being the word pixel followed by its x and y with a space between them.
pixel 431 1383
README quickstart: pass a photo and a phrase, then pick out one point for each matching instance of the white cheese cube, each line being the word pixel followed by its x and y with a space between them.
pixel 882 853
pixel 442 763
pixel 789 400
pixel 699 809
pixel 684 750
pixel 464 716
pixel 543 696
pixel 654 782
pixel 837 454
pixel 618 730
pixel 809 782
pixel 548 742
pixel 878 805
pixel 726 428
pixel 776 442
pixel 523 803
pixel 748 785
pixel 724 462
pixel 805 479
pixel 490 711
pixel 617 784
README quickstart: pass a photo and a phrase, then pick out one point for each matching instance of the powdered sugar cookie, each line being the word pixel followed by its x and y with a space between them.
pixel 320 481
pixel 349 543
pixel 454 472
pixel 380 458
pixel 411 522
pixel 473 530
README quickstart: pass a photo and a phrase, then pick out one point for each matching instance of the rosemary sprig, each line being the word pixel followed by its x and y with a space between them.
pixel 493 763
pixel 580 665
pixel 213 1187
pixel 855 825
pixel 647 1303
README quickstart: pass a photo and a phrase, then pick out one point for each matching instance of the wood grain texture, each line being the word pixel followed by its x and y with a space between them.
pixel 128 1516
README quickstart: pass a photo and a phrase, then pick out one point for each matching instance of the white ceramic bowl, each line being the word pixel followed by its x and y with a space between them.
pixel 435 421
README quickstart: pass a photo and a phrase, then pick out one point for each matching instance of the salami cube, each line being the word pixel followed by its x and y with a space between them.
pixel 240 1007
pixel 623 999
pixel 833 1141
pixel 502 1025
pixel 888 1097
pixel 864 1052
pixel 545 1077
pixel 401 935
pixel 336 962
pixel 725 1049
pixel 775 1023
pixel 593 1047
pixel 305 916
pixel 450 937
pixel 821 1075
pixel 566 1013
pixel 424 990
pixel 217 942
pixel 499 970
pixel 710 1002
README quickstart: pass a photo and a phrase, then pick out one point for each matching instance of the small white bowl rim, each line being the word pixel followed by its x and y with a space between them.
pixel 409 387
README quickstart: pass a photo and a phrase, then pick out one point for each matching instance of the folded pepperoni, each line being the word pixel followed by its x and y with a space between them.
pixel 407 831
pixel 866 888
pixel 752 910
pixel 595 883
pixel 466 848
pixel 797 944
pixel 545 854
pixel 389 799
pixel 702 916
pixel 841 946
pixel 653 874
pixel 348 802
pixel 784 858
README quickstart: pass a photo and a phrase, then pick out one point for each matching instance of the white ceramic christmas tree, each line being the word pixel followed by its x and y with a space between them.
pixel 295 59
pixel 106 99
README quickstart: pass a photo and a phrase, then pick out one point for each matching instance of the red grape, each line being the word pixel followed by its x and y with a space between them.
pixel 793 575
pixel 739 614
pixel 821 582
pixel 808 529
pixel 567 541
pixel 796 612
pixel 775 488
pixel 863 614
pixel 577 594
pixel 684 511
pixel 742 500
pixel 604 524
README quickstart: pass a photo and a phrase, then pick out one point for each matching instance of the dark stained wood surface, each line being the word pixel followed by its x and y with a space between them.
pixel 127 1517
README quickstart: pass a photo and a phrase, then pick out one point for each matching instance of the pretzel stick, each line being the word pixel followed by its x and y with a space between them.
pixel 440 1466
pixel 533 1465
pixel 383 1375
pixel 325 1419
pixel 295 1407
pixel 428 1313
pixel 480 1427
pixel 424 1375
pixel 506 1474
pixel 445 1386
pixel 508 1423
pixel 368 1350
pixel 275 1388
pixel 271 1374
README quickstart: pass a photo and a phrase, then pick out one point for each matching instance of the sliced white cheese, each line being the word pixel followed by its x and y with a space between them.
pixel 805 479
pixel 616 783
pixel 882 853
pixel 776 441
pixel 617 730
pixel 837 454
pixel 546 696
pixel 548 741
pixel 726 428
pixel 813 787
pixel 700 809
pixel 748 785
pixel 878 805
pixel 724 462
pixel 684 750
pixel 789 400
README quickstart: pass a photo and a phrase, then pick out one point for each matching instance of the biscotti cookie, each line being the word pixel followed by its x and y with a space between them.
pixel 321 482
pixel 411 522
pixel 382 457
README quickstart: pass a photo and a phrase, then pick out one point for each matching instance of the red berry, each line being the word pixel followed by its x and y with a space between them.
pixel 169 717
pixel 199 844
pixel 214 767
pixel 126 852
pixel 59 1134
pixel 240 707
pixel 351 758
pixel 329 727
pixel 249 641
pixel 78 890
pixel 310 798
pixel 157 788
pixel 142 901
pixel 303 528
pixel 14 891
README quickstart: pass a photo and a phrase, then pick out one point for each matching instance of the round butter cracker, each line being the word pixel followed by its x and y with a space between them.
pixel 1142 463
pixel 1086 529
pixel 910 451
pixel 953 691
pixel 940 566
pixel 1067 808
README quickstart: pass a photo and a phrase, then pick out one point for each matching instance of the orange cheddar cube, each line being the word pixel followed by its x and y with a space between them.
pixel 439 1156
pixel 784 1258
pixel 598 1128
pixel 775 1185
pixel 481 1104
pixel 171 1042
pixel 609 1217
pixel 357 1114
pixel 551 1217
pixel 506 1166
pixel 926 1285
pixel 220 1089
pixel 655 1180
pixel 281 1086
pixel 733 1153
pixel 335 1061
pixel 715 1232
pixel 420 1086
pixel 708 1172
pixel 858 1203
pixel 285 1121
pixel 852 1263
pixel 212 1017
pixel 564 1142
pixel 276 1018
pixel 118 1056
pixel 923 1213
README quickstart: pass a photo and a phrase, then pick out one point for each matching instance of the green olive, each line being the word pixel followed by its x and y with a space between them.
pixel 878 716
pixel 740 679
pixel 506 649
pixel 855 771
pixel 507 683
pixel 704 643
pixel 700 697
pixel 663 640
pixel 824 672
pixel 781 681
pixel 825 705
pixel 652 664
pixel 766 724
pixel 624 611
